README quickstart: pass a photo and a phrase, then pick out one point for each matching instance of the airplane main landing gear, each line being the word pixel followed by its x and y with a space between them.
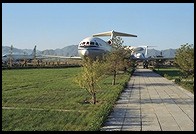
pixel 145 64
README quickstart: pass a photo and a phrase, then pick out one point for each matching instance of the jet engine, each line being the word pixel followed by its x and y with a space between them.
pixel 110 42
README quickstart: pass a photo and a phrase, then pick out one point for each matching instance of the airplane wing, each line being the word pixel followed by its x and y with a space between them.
pixel 114 33
pixel 160 58
pixel 61 57
pixel 151 58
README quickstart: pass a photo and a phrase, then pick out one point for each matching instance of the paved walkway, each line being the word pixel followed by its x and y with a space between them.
pixel 152 103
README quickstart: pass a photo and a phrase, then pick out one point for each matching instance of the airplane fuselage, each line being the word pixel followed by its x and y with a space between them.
pixel 15 57
pixel 93 47
pixel 18 57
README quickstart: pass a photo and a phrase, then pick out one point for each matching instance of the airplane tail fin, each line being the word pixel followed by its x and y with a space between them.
pixel 146 52
pixel 34 51
pixel 146 49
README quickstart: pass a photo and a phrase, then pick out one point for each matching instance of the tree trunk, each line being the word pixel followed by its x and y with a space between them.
pixel 94 98
pixel 93 91
pixel 114 78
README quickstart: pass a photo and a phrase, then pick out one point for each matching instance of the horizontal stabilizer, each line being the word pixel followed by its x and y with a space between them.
pixel 114 34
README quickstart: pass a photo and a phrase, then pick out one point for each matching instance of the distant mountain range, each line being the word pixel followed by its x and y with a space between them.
pixel 66 51
pixel 72 51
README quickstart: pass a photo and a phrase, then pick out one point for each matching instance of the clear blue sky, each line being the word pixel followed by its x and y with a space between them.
pixel 52 26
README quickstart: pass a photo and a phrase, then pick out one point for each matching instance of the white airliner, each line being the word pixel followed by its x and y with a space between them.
pixel 136 52
pixel 18 57
pixel 93 46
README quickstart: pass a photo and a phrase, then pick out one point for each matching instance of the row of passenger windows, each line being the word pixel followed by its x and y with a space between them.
pixel 91 44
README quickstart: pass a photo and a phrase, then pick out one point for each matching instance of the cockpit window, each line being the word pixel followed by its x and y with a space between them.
pixel 91 43
pixel 82 44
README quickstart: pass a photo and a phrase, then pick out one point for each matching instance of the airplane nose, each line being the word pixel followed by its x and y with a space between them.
pixel 84 52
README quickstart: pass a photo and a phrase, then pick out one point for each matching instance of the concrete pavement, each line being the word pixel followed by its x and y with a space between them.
pixel 152 103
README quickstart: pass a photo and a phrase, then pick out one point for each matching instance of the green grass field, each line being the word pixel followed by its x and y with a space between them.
pixel 49 99
pixel 174 73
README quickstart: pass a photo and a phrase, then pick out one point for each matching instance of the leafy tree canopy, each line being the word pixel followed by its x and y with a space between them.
pixel 184 58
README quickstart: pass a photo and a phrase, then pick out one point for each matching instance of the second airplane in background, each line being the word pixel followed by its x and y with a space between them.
pixel 18 57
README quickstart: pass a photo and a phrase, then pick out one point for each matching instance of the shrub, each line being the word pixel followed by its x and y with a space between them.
pixel 167 76
pixel 177 80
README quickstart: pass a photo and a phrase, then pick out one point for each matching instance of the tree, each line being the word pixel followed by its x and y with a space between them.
pixel 184 58
pixel 117 42
pixel 93 71
pixel 116 60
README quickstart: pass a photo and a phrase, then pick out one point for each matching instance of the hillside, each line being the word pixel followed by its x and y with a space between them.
pixel 72 51
pixel 66 51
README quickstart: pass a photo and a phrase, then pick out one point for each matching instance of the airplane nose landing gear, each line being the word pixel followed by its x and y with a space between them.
pixel 145 64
